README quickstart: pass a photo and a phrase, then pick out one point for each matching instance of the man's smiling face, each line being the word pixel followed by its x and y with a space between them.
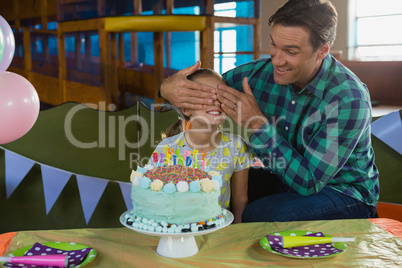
pixel 293 57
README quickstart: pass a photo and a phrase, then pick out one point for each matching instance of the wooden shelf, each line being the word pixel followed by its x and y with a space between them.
pixel 107 77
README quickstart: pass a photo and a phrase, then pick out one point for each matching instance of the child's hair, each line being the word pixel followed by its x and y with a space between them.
pixel 183 121
pixel 203 71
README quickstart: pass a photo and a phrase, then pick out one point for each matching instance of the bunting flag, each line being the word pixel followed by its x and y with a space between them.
pixel 54 181
pixel 388 129
pixel 17 167
pixel 91 190
pixel 125 188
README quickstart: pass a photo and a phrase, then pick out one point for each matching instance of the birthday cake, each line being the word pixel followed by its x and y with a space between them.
pixel 175 198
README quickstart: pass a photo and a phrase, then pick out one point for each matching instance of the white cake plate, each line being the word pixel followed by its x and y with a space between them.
pixel 178 245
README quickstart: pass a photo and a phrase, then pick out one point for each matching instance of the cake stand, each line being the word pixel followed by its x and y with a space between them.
pixel 178 245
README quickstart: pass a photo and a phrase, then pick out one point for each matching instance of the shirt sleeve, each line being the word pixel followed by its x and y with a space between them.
pixel 325 153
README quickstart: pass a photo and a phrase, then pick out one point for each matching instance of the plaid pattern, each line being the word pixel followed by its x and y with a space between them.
pixel 317 137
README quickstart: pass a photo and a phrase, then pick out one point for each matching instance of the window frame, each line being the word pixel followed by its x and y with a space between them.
pixel 353 45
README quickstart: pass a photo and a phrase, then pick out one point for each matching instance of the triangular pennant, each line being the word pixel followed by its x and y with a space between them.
pixel 91 190
pixel 17 167
pixel 54 181
pixel 388 129
pixel 125 188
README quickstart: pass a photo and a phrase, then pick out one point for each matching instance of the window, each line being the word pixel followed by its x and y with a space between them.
pixel 375 32
pixel 233 43
pixel 225 9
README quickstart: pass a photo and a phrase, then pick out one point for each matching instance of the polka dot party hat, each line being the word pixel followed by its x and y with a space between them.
pixel 75 257
pixel 274 244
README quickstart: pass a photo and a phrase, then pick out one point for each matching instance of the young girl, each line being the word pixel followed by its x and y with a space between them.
pixel 226 153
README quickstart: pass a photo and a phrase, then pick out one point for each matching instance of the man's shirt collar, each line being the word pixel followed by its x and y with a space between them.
pixel 320 82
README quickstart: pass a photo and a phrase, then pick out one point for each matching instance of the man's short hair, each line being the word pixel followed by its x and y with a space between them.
pixel 318 16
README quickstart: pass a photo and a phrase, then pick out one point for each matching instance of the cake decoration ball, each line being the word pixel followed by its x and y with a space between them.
pixel 156 185
pixel 141 170
pixel 215 185
pixel 195 186
pixel 136 181
pixel 182 186
pixel 194 228
pixel 213 173
pixel 135 174
pixel 206 185
pixel 145 182
pixel 218 178
pixel 169 188
pixel 149 167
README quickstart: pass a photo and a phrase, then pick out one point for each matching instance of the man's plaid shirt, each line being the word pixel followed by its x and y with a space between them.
pixel 317 137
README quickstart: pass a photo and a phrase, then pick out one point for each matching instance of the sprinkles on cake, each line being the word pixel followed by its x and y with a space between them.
pixel 175 174
pixel 167 178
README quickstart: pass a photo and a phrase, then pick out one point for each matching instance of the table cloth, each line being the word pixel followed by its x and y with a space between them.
pixel 238 245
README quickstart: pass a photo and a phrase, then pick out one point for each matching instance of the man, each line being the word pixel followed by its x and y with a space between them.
pixel 310 117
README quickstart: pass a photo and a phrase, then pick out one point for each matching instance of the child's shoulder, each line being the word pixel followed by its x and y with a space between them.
pixel 175 137
pixel 179 138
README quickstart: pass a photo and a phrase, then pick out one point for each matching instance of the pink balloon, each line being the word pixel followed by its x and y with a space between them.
pixel 9 46
pixel 19 106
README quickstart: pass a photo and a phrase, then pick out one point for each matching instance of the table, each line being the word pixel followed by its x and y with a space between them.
pixel 234 246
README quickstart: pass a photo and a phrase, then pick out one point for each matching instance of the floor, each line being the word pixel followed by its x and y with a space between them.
pixel 381 110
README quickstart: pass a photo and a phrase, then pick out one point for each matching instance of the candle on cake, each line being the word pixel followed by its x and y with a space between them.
pixel 203 162
pixel 195 153
pixel 162 157
pixel 155 157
